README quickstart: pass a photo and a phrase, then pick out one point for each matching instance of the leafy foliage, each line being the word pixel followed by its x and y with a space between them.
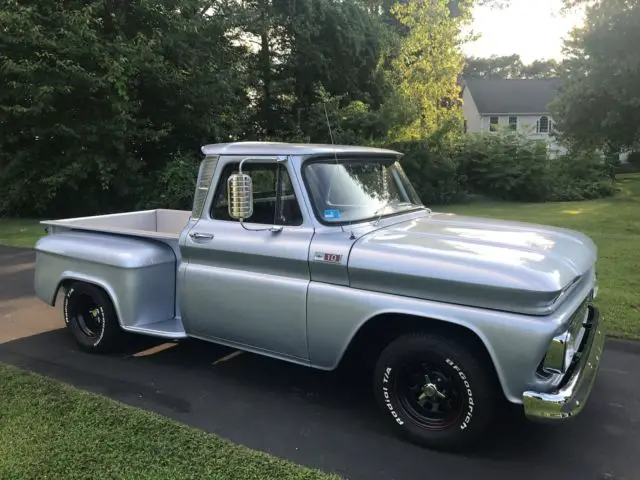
pixel 580 176
pixel 598 105
pixel 427 65
pixel 110 93
pixel 503 166
pixel 174 185
pixel 105 104
pixel 510 66
pixel 434 168
pixel 506 166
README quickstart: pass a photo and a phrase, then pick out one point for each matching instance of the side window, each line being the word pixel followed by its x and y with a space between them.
pixel 265 184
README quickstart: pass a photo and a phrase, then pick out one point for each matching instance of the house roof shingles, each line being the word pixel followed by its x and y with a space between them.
pixel 512 96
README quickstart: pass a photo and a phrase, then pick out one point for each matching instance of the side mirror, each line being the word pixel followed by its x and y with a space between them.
pixel 240 196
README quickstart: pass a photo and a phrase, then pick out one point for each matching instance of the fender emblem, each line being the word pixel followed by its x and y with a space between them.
pixel 327 257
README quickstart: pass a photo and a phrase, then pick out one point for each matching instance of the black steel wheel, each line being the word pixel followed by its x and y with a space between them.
pixel 90 316
pixel 429 394
pixel 435 391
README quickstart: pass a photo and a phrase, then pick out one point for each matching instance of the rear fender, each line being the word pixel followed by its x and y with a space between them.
pixel 138 274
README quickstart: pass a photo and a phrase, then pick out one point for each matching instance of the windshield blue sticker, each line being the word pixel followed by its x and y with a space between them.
pixel 331 214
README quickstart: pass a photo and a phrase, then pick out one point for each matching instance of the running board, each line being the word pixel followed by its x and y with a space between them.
pixel 172 329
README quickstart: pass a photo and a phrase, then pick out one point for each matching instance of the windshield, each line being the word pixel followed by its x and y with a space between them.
pixel 358 190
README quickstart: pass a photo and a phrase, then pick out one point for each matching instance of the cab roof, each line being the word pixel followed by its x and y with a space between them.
pixel 282 148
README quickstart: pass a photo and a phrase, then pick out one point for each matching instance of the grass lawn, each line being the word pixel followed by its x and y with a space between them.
pixel 613 223
pixel 51 430
pixel 20 233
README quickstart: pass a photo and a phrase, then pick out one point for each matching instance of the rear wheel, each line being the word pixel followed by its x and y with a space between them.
pixel 435 391
pixel 90 316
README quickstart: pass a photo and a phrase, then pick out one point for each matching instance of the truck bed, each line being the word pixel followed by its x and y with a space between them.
pixel 161 223
pixel 133 256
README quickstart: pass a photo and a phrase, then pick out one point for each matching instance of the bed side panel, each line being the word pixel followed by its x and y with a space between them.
pixel 138 274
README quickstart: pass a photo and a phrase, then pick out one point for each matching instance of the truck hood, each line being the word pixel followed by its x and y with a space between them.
pixel 497 264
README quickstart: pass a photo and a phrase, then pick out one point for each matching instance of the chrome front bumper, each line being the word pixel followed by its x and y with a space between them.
pixel 574 391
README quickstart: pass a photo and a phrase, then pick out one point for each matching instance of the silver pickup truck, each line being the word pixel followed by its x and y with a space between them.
pixel 317 253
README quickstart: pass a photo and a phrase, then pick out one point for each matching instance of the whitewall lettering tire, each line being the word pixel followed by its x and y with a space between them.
pixel 435 391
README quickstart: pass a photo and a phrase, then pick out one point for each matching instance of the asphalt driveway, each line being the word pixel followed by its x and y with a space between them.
pixel 324 420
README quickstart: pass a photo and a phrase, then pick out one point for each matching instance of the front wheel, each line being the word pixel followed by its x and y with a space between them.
pixel 435 391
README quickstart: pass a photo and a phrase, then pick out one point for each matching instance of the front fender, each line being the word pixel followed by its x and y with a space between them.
pixel 516 343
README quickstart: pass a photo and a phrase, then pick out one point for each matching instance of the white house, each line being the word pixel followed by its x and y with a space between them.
pixel 519 104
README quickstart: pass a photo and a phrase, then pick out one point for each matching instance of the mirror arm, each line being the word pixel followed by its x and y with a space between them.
pixel 240 166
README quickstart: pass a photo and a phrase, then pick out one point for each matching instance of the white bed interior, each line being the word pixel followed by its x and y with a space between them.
pixel 162 223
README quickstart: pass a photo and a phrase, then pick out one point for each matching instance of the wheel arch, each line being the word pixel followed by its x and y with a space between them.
pixel 69 278
pixel 380 329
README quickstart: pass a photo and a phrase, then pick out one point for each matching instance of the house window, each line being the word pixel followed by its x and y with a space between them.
pixel 513 123
pixel 493 124
pixel 543 125
pixel 466 127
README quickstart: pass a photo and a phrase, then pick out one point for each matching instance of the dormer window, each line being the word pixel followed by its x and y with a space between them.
pixel 543 125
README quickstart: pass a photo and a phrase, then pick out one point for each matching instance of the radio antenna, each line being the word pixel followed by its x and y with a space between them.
pixel 335 156
pixel 326 115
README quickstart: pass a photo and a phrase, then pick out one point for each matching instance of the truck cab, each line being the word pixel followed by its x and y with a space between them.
pixel 304 219
pixel 308 253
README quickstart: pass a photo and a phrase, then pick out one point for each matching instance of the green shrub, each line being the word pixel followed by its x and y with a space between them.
pixel 445 169
pixel 580 176
pixel 433 171
pixel 174 185
pixel 504 166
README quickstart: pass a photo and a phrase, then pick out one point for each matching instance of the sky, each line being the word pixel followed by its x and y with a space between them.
pixel 534 29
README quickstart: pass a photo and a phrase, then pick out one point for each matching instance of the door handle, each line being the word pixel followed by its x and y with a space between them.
pixel 201 236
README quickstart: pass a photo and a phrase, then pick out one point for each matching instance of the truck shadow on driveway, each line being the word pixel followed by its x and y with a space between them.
pixel 328 420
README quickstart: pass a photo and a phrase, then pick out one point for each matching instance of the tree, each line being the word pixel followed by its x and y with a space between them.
pixel 105 103
pixel 302 48
pixel 98 96
pixel 510 66
pixel 599 103
pixel 493 67
pixel 541 69
pixel 427 65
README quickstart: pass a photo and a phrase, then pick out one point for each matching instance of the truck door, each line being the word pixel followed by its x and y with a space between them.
pixel 249 288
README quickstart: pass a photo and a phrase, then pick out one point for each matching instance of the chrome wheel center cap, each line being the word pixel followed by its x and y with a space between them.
pixel 430 390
